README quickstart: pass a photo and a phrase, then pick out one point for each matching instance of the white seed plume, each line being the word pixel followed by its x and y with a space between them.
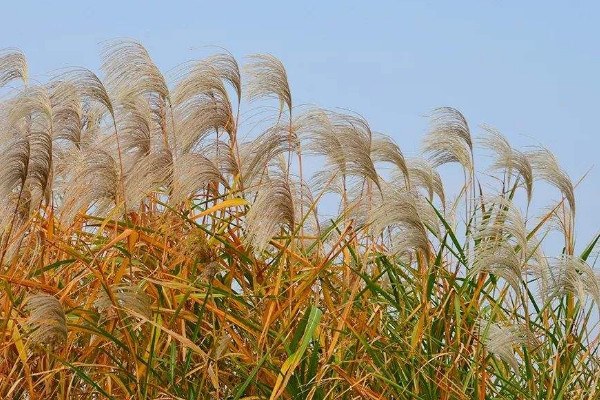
pixel 128 297
pixel 13 65
pixel 546 167
pixel 272 211
pixel 568 274
pixel 449 139
pixel 508 159
pixel 501 340
pixel 46 321
pixel 266 77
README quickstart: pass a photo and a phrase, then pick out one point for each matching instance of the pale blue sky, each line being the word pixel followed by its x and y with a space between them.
pixel 527 68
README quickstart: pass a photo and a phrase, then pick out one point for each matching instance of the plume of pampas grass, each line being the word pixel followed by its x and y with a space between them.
pixel 501 340
pixel 46 320
pixel 344 140
pixel 39 167
pixel 228 70
pixel 423 175
pixel 399 215
pixel 500 259
pixel 134 124
pixel 272 210
pixel 357 143
pixel 316 127
pixel 30 107
pixel 27 117
pixel 192 172
pixel 130 72
pixel 91 178
pixel 13 65
pixel 384 149
pixel 567 274
pixel 266 77
pixel 563 221
pixel 449 139
pixel 222 154
pixel 127 297
pixel 67 113
pixel 508 159
pixel 258 153
pixel 199 78
pixel 14 157
pixel 302 198
pixel 88 86
pixel 149 174
pixel 328 181
pixel 93 127
pixel 502 222
pixel 199 117
pixel 546 167
pixel 201 105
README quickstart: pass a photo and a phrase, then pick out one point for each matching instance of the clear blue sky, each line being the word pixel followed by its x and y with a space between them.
pixel 528 68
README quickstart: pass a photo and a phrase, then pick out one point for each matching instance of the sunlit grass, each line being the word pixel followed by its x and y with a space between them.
pixel 148 252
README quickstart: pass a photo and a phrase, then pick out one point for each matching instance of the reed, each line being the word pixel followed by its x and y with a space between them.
pixel 161 240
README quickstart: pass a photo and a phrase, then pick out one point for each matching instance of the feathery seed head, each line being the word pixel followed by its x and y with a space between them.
pixel 127 297
pixel 46 321
pixel 13 65
pixel 509 159
pixel 546 167
pixel 272 211
pixel 266 77
pixel 449 139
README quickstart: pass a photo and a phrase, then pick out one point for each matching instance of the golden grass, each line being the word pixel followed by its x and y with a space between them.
pixel 149 252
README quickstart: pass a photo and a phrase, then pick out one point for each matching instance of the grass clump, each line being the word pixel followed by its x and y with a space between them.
pixel 149 250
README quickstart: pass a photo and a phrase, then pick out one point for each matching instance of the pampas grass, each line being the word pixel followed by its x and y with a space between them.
pixel 155 245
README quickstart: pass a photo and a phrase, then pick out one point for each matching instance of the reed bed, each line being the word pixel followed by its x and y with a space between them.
pixel 163 238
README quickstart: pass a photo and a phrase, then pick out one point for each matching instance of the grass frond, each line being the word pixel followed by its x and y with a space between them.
pixel 546 167
pixel 509 159
pixel 266 77
pixel 449 139
pixel 13 65
pixel 46 321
